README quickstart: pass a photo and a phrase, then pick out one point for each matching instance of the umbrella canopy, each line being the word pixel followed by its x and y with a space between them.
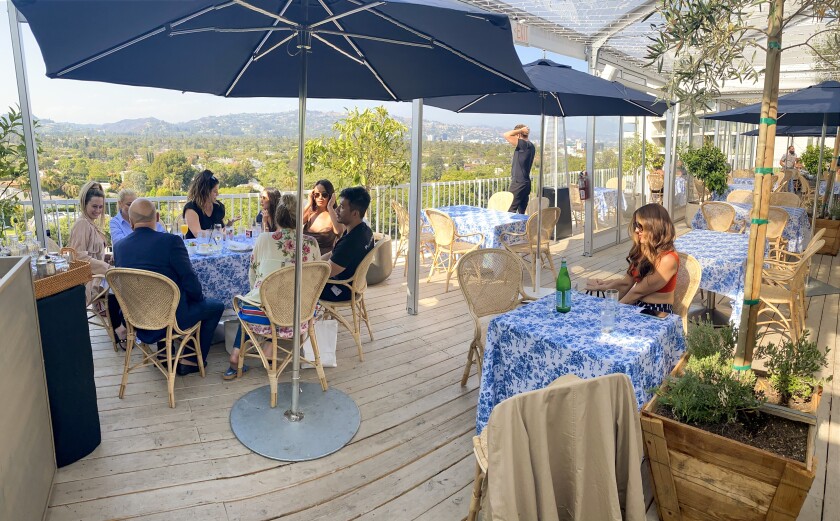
pixel 360 49
pixel 568 92
pixel 794 131
pixel 803 107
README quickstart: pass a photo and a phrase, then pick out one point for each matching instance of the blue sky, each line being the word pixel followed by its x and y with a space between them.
pixel 90 102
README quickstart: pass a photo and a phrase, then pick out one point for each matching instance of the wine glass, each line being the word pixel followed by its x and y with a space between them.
pixel 167 223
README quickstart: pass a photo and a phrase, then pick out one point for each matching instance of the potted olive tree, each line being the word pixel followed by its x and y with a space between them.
pixel 826 217
pixel 708 168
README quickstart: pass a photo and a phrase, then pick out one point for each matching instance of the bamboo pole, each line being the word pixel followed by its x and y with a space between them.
pixel 763 186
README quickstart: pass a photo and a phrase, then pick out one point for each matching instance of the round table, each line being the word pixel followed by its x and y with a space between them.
pixel 223 274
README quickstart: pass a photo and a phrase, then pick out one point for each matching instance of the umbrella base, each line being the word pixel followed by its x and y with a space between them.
pixel 330 420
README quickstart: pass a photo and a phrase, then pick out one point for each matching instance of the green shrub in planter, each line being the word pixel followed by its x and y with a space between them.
pixel 704 339
pixel 811 159
pixel 791 367
pixel 708 164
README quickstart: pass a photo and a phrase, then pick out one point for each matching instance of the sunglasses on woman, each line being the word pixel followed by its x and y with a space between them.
pixel 317 194
pixel 638 228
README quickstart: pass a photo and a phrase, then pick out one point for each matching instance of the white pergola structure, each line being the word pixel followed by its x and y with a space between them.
pixel 612 37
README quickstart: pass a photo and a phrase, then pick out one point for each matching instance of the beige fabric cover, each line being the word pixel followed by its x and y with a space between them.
pixel 89 242
pixel 571 451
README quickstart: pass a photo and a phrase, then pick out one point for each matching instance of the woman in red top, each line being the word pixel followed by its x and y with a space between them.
pixel 652 272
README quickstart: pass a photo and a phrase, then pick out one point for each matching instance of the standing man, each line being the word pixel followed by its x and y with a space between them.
pixel 520 167
pixel 789 159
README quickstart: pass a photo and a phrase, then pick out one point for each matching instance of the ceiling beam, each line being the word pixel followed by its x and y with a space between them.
pixel 635 15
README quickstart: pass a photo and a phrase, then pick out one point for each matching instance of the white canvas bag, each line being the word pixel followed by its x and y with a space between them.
pixel 326 331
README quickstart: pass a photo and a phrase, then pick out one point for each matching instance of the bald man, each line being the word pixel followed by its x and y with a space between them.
pixel 165 253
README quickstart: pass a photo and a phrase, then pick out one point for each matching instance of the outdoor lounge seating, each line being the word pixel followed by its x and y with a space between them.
pixel 148 301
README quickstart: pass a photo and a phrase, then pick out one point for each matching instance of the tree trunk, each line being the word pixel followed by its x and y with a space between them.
pixel 763 187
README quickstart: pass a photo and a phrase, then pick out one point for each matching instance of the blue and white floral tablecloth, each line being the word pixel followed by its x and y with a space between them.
pixel 224 274
pixel 723 259
pixel 531 346
pixel 680 195
pixel 835 188
pixel 606 202
pixel 797 230
pixel 492 223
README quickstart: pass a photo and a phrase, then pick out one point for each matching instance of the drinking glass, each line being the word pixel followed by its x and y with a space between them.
pixel 204 237
pixel 608 310
pixel 167 223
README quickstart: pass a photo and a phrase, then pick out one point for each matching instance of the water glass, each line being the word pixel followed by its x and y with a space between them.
pixel 608 310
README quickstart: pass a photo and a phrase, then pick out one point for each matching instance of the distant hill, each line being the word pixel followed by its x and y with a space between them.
pixel 280 125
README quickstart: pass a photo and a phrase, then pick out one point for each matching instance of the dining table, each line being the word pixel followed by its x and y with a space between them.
pixel 723 260
pixel 223 272
pixel 797 231
pixel 528 348
pixel 493 224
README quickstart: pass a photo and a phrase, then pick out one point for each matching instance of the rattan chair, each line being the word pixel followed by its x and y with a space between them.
pixel 782 182
pixel 500 201
pixel 612 183
pixel 448 244
pixel 700 190
pixel 688 282
pixel 743 174
pixel 740 196
pixel 578 208
pixel 277 300
pixel 358 311
pixel 96 307
pixel 534 203
pixel 491 281
pixel 525 244
pixel 656 184
pixel 719 216
pixel 783 285
pixel 403 223
pixel 777 220
pixel 148 301
pixel 784 199
pixel 780 261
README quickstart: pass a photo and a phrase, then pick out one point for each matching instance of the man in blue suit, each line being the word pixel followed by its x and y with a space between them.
pixel 164 253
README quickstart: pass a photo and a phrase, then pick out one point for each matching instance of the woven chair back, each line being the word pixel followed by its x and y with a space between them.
pixel 535 203
pixel 719 216
pixel 277 292
pixel 402 218
pixel 688 282
pixel 700 189
pixel 443 227
pixel 782 184
pixel 744 174
pixel 147 299
pixel 656 182
pixel 500 201
pixel 359 284
pixel 784 199
pixel 491 280
pixel 812 247
pixel 612 182
pixel 740 196
pixel 778 218
pixel 550 216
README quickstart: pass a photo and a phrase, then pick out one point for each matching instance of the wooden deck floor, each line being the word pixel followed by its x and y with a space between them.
pixel 411 458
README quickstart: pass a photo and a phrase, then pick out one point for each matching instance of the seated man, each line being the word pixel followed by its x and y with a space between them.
pixel 354 244
pixel 120 227
pixel 166 254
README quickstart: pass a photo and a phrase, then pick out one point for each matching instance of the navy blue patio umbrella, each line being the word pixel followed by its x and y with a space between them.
pixel 561 91
pixel 815 105
pixel 795 131
pixel 394 50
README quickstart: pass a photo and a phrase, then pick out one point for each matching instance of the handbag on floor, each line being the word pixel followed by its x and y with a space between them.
pixel 326 331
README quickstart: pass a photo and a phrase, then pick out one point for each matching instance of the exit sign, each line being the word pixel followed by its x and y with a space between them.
pixel 520 32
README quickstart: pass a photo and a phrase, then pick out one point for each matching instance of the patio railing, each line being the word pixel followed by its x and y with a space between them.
pixel 60 214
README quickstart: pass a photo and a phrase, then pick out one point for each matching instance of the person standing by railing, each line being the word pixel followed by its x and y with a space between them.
pixel 120 227
pixel 520 168
pixel 203 211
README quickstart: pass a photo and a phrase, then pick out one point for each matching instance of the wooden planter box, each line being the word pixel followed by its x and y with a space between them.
pixel 832 236
pixel 698 475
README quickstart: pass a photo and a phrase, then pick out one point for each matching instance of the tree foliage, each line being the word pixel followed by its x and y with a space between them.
pixel 632 155
pixel 707 164
pixel 14 172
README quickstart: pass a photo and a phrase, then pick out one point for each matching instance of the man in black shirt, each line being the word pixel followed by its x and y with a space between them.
pixel 354 244
pixel 520 168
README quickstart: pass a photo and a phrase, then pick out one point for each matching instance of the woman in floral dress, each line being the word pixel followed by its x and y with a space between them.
pixel 272 251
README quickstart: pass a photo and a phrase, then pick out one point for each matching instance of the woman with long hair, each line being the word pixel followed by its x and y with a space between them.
pixel 272 251
pixel 88 239
pixel 319 218
pixel 203 211
pixel 651 275
pixel 269 199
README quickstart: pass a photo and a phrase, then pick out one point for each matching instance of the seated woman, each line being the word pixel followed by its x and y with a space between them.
pixel 269 198
pixel 319 218
pixel 652 272
pixel 272 251
pixel 88 239
pixel 203 211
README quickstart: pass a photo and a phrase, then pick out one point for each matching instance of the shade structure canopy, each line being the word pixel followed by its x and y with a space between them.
pixel 796 131
pixel 567 92
pixel 801 108
pixel 396 50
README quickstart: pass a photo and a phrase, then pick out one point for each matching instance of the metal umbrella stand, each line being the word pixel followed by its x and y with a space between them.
pixel 267 48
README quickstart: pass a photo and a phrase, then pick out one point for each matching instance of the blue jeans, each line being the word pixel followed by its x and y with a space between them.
pixel 208 312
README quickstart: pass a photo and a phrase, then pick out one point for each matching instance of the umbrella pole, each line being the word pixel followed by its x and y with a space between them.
pixel 761 197
pixel 818 175
pixel 836 169
pixel 829 185
pixel 538 259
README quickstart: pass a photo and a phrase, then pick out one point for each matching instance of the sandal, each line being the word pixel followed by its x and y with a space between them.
pixel 231 373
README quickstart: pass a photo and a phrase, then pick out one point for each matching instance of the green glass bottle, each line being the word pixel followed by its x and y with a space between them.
pixel 563 294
